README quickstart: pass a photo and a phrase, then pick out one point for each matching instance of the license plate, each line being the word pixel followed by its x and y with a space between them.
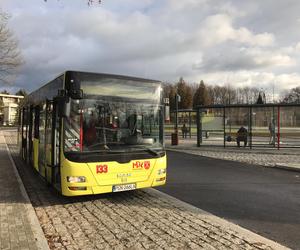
pixel 126 187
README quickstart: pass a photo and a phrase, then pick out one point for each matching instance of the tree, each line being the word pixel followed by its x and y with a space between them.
pixel 201 96
pixel 185 92
pixel 169 92
pixel 259 99
pixel 219 94
pixel 90 2
pixel 231 96
pixel 1 104
pixel 248 95
pixel 5 92
pixel 293 96
pixel 21 92
pixel 10 55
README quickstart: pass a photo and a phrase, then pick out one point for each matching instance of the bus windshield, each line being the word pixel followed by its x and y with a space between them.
pixel 119 123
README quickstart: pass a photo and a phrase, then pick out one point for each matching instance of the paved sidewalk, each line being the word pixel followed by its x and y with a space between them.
pixel 286 158
pixel 19 226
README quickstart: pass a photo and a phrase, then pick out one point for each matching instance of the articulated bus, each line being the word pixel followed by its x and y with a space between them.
pixel 89 133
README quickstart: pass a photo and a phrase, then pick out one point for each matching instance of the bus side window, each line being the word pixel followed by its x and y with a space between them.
pixel 36 122
pixel 24 127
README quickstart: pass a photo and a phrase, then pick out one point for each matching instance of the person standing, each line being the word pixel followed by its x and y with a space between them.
pixel 272 132
pixel 184 131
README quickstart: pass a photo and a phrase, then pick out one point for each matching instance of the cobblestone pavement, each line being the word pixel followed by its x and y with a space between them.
pixel 269 160
pixel 141 219
pixel 257 156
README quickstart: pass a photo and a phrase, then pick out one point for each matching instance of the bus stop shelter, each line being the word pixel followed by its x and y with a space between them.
pixel 266 125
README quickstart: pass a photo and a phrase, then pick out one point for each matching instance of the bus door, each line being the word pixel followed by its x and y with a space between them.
pixel 30 136
pixel 42 126
pixel 24 134
pixel 52 144
pixel 56 125
pixel 36 136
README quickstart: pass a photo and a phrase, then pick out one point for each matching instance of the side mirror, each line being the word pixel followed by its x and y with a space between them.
pixel 72 85
pixel 62 103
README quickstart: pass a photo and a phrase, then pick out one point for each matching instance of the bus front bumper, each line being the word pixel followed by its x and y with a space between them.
pixel 77 190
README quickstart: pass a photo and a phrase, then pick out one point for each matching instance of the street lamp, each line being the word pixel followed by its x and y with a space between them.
pixel 177 100
pixel 175 134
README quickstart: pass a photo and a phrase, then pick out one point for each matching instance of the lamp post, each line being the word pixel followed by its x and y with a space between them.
pixel 175 134
pixel 177 100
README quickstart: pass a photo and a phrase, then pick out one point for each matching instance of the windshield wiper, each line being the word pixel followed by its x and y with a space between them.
pixel 149 150
pixel 152 151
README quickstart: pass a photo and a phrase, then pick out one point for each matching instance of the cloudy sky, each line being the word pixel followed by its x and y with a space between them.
pixel 241 43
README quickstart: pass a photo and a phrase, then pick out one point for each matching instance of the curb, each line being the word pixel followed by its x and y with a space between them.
pixel 232 149
pixel 251 237
pixel 37 231
pixel 290 167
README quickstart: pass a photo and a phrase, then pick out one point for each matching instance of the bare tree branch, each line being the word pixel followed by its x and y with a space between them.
pixel 10 55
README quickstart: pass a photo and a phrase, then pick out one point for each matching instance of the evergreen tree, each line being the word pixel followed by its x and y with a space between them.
pixel 185 92
pixel 201 97
pixel 259 99
pixel 21 92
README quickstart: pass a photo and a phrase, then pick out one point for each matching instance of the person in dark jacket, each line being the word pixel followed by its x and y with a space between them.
pixel 184 131
pixel 242 135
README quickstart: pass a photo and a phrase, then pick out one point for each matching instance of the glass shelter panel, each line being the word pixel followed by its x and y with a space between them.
pixel 187 124
pixel 237 126
pixel 212 126
pixel 264 126
pixel 269 125
pixel 289 127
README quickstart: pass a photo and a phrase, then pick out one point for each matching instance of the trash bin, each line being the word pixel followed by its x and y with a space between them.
pixel 174 138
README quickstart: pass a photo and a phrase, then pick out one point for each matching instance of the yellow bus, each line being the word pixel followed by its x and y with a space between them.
pixel 90 133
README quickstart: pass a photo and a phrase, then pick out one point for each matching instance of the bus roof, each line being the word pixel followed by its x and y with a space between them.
pixel 49 89
pixel 116 76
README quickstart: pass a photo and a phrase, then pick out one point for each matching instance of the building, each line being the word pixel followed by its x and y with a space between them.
pixel 9 108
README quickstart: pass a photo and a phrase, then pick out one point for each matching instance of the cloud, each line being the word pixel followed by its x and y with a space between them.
pixel 179 6
pixel 218 29
pixel 297 47
pixel 233 59
pixel 265 81
pixel 156 39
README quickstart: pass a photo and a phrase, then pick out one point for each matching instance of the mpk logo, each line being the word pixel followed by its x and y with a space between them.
pixel 101 169
pixel 140 165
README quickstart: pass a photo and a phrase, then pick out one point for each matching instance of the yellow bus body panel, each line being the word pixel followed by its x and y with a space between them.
pixel 102 176
pixel 36 154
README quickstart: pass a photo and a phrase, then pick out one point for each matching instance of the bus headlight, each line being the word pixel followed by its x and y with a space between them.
pixel 161 171
pixel 161 179
pixel 76 179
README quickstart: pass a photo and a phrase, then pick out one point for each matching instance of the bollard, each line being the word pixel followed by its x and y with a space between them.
pixel 174 139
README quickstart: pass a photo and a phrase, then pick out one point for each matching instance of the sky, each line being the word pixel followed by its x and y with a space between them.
pixel 226 42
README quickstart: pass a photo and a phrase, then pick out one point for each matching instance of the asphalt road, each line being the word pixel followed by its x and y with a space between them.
pixel 263 200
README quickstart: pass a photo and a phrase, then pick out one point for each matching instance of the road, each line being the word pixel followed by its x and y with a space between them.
pixel 264 200
pixel 139 219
